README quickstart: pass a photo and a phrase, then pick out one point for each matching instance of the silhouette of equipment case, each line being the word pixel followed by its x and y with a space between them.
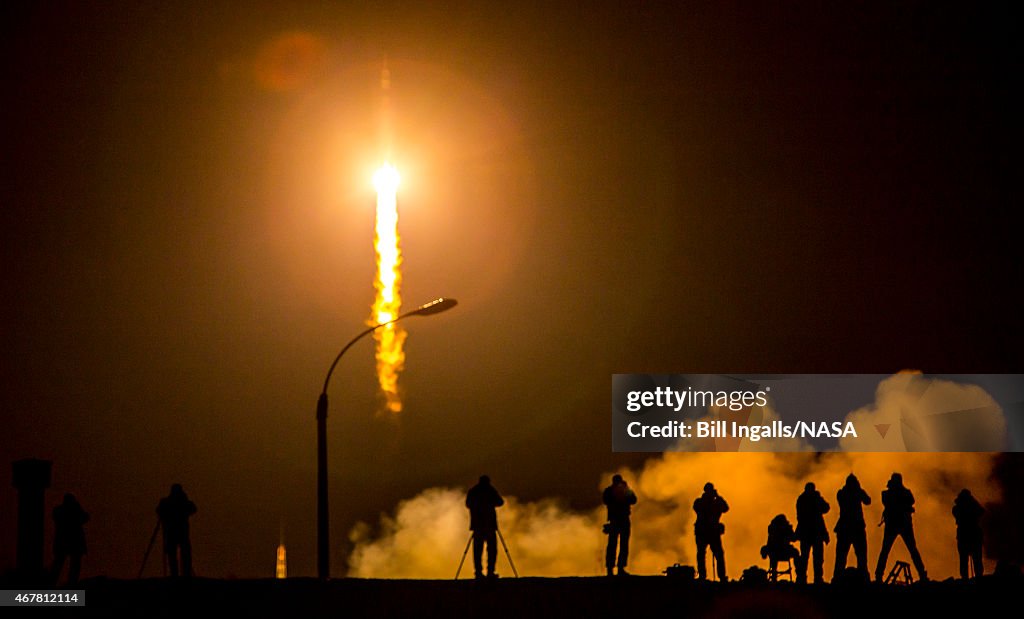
pixel 684 572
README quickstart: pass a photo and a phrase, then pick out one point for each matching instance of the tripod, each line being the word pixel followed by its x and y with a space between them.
pixel 149 548
pixel 900 574
pixel 503 545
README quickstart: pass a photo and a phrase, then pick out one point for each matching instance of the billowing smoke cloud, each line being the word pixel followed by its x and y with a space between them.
pixel 427 534
pixel 913 413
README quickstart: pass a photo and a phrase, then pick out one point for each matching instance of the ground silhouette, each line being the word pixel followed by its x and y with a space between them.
pixel 640 596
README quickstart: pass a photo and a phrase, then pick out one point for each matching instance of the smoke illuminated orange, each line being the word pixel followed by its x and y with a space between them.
pixel 546 538
pixel 388 301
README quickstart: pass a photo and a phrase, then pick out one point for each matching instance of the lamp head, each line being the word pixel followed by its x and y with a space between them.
pixel 434 307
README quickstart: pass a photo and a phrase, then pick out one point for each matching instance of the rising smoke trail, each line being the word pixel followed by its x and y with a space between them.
pixel 388 301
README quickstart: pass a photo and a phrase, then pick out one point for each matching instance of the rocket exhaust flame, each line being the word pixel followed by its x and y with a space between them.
pixel 388 301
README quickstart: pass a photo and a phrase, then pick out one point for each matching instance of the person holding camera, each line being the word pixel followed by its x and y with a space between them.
pixel 850 529
pixel 780 545
pixel 811 508
pixel 69 538
pixel 619 499
pixel 708 530
pixel 968 511
pixel 174 510
pixel 481 500
pixel 897 516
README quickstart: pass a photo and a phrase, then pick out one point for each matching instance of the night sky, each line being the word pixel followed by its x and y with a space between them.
pixel 186 226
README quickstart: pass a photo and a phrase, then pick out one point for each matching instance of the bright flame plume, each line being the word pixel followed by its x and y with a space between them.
pixel 388 302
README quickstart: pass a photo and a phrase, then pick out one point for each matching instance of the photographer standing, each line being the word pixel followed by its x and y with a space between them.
pixel 850 529
pixel 69 538
pixel 618 498
pixel 708 530
pixel 811 508
pixel 897 515
pixel 967 511
pixel 174 510
pixel 481 500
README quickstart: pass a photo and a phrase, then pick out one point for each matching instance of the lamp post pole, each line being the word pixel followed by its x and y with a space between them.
pixel 323 526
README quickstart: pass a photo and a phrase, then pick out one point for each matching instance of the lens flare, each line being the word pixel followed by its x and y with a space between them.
pixel 388 301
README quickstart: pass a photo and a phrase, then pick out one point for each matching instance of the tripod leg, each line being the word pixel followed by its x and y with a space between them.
pixel 463 560
pixel 505 546
pixel 152 540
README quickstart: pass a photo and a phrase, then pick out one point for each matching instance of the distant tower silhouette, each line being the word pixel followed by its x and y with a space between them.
pixel 31 478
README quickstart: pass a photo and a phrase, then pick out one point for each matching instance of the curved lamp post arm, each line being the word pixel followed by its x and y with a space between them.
pixel 322 513
pixel 434 307
pixel 349 345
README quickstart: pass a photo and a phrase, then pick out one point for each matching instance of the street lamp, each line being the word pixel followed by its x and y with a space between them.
pixel 323 557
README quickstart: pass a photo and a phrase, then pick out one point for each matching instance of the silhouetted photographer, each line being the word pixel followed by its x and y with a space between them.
pixel 482 499
pixel 851 528
pixel 811 508
pixel 708 530
pixel 68 538
pixel 898 518
pixel 174 511
pixel 780 545
pixel 619 499
pixel 967 511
